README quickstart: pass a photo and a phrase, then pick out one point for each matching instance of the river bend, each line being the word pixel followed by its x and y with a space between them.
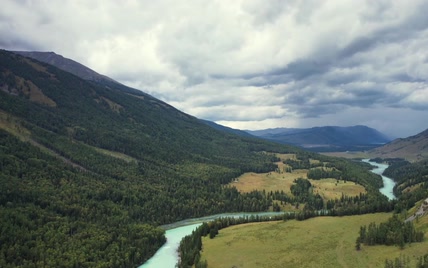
pixel 167 255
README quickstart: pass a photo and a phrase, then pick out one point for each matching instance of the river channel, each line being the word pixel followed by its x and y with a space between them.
pixel 388 183
pixel 167 256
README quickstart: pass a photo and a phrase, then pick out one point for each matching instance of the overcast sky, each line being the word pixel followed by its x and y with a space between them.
pixel 249 64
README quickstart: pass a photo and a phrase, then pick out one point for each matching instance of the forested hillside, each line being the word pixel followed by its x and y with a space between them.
pixel 83 166
pixel 88 170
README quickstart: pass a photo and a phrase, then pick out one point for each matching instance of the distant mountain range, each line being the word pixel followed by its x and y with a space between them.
pixel 413 148
pixel 326 138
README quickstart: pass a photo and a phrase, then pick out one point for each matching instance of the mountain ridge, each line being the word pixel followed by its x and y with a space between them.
pixel 334 138
pixel 413 148
pixel 66 64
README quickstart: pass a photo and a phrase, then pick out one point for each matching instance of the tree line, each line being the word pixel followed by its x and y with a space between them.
pixel 392 232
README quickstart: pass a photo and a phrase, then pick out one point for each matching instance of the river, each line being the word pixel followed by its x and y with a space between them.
pixel 388 183
pixel 167 255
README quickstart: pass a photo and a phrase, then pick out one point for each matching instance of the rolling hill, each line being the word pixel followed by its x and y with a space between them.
pixel 327 138
pixel 413 148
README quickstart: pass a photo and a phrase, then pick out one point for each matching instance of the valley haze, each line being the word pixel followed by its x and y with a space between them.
pixel 246 64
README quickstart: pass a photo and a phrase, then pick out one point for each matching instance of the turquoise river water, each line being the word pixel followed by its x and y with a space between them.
pixel 167 256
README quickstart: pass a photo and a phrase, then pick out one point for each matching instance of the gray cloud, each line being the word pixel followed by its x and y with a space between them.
pixel 247 64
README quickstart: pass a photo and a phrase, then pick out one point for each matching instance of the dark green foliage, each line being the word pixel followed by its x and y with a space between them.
pixel 191 245
pixel 399 262
pixel 407 174
pixel 300 188
pixel 50 215
pixel 392 232
pixel 403 262
pixel 358 244
pixel 296 164
pixel 423 262
pixel 302 191
pixel 321 173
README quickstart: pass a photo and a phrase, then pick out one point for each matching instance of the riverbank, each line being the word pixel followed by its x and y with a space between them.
pixel 167 255
pixel 316 242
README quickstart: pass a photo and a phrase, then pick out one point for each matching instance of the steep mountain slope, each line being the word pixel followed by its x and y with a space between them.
pixel 78 69
pixel 66 64
pixel 413 148
pixel 328 138
pixel 84 165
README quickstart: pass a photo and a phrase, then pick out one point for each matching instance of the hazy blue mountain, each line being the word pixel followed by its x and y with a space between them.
pixel 326 138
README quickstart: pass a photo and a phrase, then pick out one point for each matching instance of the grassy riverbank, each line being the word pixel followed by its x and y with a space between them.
pixel 317 242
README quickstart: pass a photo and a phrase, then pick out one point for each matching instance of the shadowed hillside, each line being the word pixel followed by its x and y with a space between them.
pixel 413 148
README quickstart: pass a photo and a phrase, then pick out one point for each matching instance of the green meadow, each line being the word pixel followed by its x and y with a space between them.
pixel 316 242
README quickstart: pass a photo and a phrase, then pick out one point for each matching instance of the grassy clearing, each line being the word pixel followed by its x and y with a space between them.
pixel 33 92
pixel 331 188
pixel 271 181
pixel 317 242
pixel 274 181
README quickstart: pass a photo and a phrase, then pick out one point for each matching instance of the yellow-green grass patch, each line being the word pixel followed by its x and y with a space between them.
pixel 34 93
pixel 332 188
pixel 317 242
pixel 271 181
pixel 422 224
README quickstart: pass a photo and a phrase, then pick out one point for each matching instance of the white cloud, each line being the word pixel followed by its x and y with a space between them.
pixel 247 63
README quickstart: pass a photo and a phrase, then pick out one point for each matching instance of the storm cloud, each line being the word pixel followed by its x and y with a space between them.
pixel 247 64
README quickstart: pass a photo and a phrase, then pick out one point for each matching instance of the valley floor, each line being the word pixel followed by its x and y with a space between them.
pixel 317 242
